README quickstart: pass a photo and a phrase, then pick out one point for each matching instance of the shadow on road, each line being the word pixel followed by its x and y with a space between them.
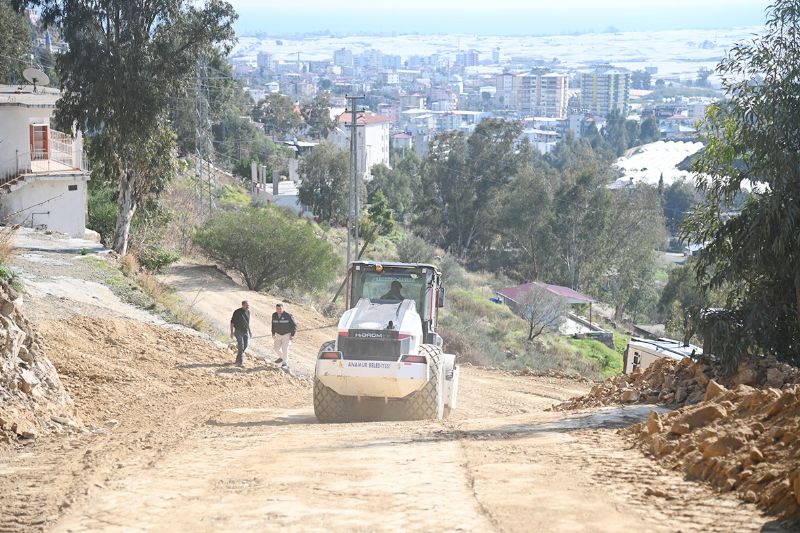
pixel 228 368
pixel 606 419
pixel 288 420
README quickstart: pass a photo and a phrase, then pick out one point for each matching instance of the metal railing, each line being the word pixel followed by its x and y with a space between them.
pixel 61 156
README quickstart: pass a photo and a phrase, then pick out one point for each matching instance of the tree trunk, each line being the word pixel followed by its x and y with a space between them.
pixel 127 207
pixel 367 241
pixel 619 309
pixel 688 330
pixel 797 296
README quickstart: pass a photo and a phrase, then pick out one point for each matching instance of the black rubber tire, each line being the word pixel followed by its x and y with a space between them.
pixel 328 405
pixel 428 402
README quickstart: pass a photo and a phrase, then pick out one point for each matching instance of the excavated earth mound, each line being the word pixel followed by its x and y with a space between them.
pixel 677 383
pixel 739 432
pixel 32 398
pixel 125 369
pixel 745 440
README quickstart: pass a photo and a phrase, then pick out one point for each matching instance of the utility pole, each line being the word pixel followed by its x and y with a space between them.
pixel 203 144
pixel 353 207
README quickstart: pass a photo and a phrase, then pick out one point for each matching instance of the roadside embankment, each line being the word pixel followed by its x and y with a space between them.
pixel 739 432
pixel 32 398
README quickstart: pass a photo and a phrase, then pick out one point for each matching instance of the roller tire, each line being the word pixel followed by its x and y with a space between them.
pixel 428 402
pixel 329 406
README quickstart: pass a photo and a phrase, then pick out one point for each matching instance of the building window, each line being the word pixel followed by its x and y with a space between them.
pixel 72 187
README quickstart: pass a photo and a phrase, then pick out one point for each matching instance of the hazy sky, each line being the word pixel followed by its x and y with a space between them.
pixel 492 17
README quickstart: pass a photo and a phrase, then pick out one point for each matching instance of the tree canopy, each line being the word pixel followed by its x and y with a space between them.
pixel 15 39
pixel 754 256
pixel 276 112
pixel 269 248
pixel 317 116
pixel 124 63
pixel 461 177
pixel 324 188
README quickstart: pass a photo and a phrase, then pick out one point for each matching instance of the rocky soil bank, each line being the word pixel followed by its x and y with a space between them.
pixel 678 383
pixel 739 432
pixel 744 439
pixel 32 398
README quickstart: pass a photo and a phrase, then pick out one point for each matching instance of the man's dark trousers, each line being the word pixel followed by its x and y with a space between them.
pixel 241 345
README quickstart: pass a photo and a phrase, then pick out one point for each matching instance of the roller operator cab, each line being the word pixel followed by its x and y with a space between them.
pixel 387 359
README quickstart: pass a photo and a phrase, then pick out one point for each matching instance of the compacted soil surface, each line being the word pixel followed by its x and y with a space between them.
pixel 172 437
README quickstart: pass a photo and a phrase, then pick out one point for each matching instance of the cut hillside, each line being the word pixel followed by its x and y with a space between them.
pixel 32 398
pixel 119 369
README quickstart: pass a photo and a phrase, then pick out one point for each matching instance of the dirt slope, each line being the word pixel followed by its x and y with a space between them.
pixel 212 293
pixel 177 440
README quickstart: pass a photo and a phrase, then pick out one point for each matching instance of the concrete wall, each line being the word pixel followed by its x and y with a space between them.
pixel 15 133
pixel 61 209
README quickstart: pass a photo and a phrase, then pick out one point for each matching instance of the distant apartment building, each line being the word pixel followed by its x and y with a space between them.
pixel 468 58
pixel 496 56
pixel 372 139
pixel 371 59
pixel 297 87
pixel 343 57
pixel 392 62
pixel 456 84
pixel 605 90
pixel 542 94
pixel 412 101
pixel 264 61
pixel 390 78
pixel 507 90
pixel 319 67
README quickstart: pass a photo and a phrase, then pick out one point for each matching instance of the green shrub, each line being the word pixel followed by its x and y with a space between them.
pixel 413 249
pixel 235 197
pixel 155 258
pixel 269 248
pixel 103 212
pixel 10 276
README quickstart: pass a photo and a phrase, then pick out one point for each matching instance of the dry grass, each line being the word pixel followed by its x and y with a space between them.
pixel 164 301
pixel 7 248
pixel 176 308
pixel 129 265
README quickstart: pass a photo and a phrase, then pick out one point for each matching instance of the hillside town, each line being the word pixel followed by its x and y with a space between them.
pixel 262 272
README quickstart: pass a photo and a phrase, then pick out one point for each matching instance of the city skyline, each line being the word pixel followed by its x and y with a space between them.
pixel 505 17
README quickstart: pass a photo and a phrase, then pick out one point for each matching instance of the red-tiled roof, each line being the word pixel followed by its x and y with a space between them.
pixel 516 293
pixel 363 118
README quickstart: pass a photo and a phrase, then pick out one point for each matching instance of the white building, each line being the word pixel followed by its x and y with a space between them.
pixel 43 172
pixel 543 94
pixel 343 57
pixel 507 90
pixel 605 90
pixel 264 61
pixel 372 139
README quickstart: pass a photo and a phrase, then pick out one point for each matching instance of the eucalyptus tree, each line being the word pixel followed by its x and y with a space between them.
pixel 15 39
pixel 125 62
pixel 754 256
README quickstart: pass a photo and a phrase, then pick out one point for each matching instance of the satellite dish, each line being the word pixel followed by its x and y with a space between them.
pixel 35 76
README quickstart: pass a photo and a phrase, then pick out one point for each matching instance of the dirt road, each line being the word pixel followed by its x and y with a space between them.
pixel 502 464
pixel 178 440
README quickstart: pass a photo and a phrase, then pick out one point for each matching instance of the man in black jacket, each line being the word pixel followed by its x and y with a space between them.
pixel 240 329
pixel 283 330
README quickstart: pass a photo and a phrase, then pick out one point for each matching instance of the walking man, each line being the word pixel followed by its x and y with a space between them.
pixel 240 329
pixel 283 330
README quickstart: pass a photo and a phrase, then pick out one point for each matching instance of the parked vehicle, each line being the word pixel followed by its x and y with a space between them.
pixel 640 353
